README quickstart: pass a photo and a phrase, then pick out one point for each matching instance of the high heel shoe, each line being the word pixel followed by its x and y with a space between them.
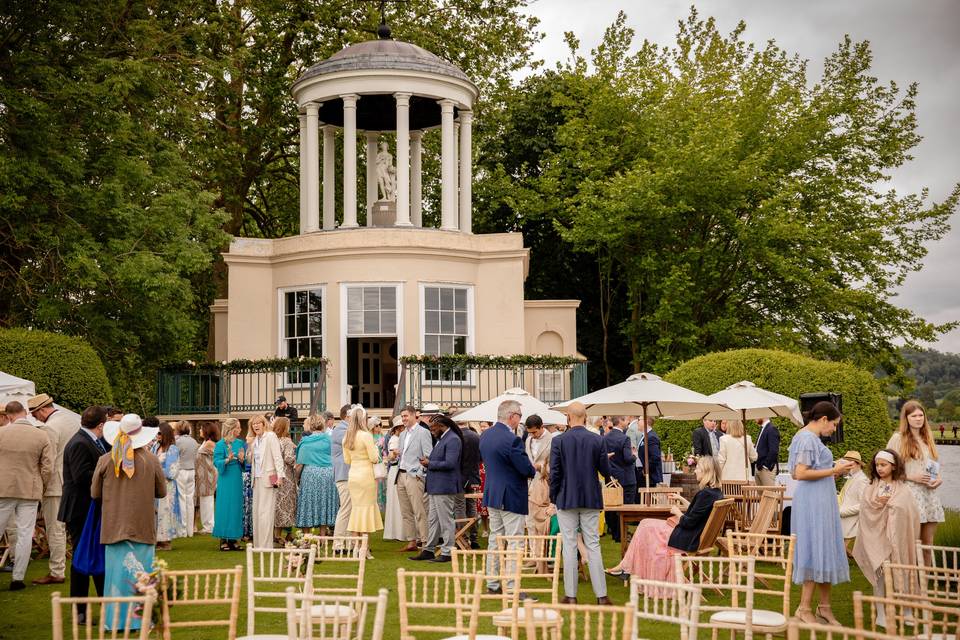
pixel 825 615
pixel 805 614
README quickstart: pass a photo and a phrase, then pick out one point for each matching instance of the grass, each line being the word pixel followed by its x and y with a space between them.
pixel 27 614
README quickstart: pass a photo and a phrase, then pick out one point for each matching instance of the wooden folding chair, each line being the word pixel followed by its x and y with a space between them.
pixel 762 515
pixel 797 630
pixel 714 527
pixel 504 610
pixel 364 626
pixel 269 573
pixel 542 559
pixel 776 552
pixel 438 602
pixel 940 556
pixel 113 612
pixel 752 506
pixel 936 585
pixel 5 550
pixel 580 622
pixel 905 618
pixel 667 602
pixel 201 588
pixel 655 496
pixel 724 575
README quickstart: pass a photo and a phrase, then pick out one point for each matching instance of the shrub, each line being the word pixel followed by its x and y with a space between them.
pixel 866 424
pixel 65 367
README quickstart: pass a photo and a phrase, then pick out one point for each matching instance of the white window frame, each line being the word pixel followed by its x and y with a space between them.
pixel 282 338
pixel 539 385
pixel 471 331
pixel 399 284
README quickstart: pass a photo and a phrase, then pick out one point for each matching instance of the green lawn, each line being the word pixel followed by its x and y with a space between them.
pixel 26 614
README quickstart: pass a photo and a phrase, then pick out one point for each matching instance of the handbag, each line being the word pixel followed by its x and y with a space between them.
pixel 612 494
pixel 379 470
pixel 88 555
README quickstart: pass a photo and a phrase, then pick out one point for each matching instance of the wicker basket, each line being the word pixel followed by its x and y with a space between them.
pixel 612 494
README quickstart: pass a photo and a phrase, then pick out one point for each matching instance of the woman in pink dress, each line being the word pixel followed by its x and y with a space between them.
pixel 656 542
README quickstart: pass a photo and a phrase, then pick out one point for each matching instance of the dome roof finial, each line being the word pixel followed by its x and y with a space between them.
pixel 383 30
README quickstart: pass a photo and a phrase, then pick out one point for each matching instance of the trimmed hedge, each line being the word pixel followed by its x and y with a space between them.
pixel 65 367
pixel 866 424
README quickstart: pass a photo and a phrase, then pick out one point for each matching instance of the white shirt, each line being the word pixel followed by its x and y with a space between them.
pixel 258 457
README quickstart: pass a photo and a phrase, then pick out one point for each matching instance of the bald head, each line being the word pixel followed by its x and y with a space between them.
pixel 576 414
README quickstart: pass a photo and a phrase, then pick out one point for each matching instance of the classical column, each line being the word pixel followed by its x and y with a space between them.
pixel 403 159
pixel 312 179
pixel 302 117
pixel 349 160
pixel 456 172
pixel 466 171
pixel 371 174
pixel 416 178
pixel 329 177
pixel 448 192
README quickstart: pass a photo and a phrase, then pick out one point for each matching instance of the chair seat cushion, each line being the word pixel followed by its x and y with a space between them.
pixel 761 618
pixel 331 611
pixel 505 617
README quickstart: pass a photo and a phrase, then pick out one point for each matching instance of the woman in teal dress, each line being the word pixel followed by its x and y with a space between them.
pixel 228 458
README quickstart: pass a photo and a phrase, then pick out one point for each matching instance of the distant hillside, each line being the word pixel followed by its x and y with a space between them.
pixel 941 371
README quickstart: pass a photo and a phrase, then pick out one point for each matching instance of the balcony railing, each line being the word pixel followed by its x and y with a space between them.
pixel 463 385
pixel 224 389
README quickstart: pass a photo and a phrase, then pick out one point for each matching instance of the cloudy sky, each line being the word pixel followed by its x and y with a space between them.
pixel 912 40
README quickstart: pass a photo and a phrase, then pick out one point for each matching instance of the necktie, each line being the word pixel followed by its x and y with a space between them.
pixel 100 446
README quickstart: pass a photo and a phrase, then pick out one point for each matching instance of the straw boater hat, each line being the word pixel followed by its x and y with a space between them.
pixel 132 426
pixel 39 402
pixel 855 456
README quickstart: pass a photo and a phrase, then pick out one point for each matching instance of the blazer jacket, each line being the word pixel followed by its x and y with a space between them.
pixel 415 443
pixel 507 469
pixel 59 427
pixel 470 458
pixel 622 461
pixel 701 442
pixel 26 461
pixel 272 458
pixel 850 496
pixel 341 470
pixel 79 460
pixel 577 458
pixel 656 464
pixel 731 457
pixel 686 535
pixel 443 468
pixel 768 448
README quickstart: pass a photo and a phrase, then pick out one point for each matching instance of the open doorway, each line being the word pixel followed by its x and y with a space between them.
pixel 372 371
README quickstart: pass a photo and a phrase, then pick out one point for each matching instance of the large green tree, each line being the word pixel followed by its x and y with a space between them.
pixel 741 203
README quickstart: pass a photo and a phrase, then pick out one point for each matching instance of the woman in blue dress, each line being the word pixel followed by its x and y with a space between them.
pixel 228 458
pixel 318 502
pixel 820 559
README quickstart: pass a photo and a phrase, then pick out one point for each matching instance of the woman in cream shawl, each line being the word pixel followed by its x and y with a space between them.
pixel 889 522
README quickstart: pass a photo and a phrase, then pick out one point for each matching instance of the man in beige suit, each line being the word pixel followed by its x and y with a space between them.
pixel 26 466
pixel 59 426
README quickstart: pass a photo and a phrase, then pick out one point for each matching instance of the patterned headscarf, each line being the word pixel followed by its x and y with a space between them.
pixel 123 447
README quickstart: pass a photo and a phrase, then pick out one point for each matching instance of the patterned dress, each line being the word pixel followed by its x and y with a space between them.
pixel 285 513
pixel 170 522
pixel 928 502
pixel 247 501
pixel 819 552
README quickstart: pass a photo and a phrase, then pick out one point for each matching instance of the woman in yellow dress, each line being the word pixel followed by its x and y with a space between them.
pixel 361 453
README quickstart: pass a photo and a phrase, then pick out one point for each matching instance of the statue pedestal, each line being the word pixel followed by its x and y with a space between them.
pixel 384 213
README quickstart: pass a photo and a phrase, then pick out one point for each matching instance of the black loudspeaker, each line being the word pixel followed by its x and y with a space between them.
pixel 807 400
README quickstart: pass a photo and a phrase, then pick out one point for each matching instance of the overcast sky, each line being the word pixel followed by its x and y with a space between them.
pixel 912 40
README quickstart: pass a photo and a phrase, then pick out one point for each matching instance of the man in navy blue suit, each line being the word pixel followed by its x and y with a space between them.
pixel 577 459
pixel 442 486
pixel 505 490
pixel 621 459
pixel 768 452
pixel 655 472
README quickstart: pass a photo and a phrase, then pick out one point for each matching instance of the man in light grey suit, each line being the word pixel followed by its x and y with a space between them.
pixel 341 471
pixel 416 442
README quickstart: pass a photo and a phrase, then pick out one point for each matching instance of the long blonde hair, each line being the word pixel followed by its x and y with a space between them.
pixel 356 422
pixel 735 429
pixel 710 476
pixel 229 425
pixel 908 445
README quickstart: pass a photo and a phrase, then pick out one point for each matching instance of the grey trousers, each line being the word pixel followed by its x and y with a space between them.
pixel 502 523
pixel 587 523
pixel 440 523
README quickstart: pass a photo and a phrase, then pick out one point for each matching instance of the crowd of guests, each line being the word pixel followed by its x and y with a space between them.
pixel 144 483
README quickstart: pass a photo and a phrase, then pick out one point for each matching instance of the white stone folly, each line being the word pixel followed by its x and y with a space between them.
pixel 384 86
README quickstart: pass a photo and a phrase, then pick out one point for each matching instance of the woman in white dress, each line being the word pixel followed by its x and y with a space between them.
pixel 170 521
pixel 393 521
pixel 733 461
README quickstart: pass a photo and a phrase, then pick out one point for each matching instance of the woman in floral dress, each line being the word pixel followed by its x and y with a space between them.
pixel 170 522
pixel 285 511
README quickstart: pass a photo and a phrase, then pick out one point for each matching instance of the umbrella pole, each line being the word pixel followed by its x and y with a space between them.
pixel 646 450
pixel 746 455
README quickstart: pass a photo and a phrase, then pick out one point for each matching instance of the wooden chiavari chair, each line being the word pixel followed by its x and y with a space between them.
pixel 939 555
pixel 217 588
pixel 119 614
pixel 504 612
pixel 580 622
pixel 667 603
pixel 340 569
pixel 905 618
pixel 541 562
pixel 936 585
pixel 797 630
pixel 432 603
pixel 366 625
pixel 724 575
pixel 776 552
pixel 269 573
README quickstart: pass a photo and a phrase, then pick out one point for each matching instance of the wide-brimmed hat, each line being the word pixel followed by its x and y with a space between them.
pixel 132 425
pixel 429 409
pixel 855 456
pixel 397 421
pixel 39 402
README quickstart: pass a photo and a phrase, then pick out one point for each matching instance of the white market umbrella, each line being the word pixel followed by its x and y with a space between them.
pixel 14 388
pixel 647 395
pixel 529 405
pixel 747 401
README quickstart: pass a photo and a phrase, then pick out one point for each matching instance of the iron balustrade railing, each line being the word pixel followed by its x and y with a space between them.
pixel 214 390
pixel 465 385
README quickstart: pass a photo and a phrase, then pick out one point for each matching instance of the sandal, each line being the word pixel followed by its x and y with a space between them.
pixel 805 614
pixel 825 615
pixel 225 546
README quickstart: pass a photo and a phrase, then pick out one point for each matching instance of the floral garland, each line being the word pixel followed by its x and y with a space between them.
pixel 269 364
pixel 477 360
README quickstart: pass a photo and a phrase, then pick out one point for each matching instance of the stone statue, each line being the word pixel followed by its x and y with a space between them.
pixel 386 174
